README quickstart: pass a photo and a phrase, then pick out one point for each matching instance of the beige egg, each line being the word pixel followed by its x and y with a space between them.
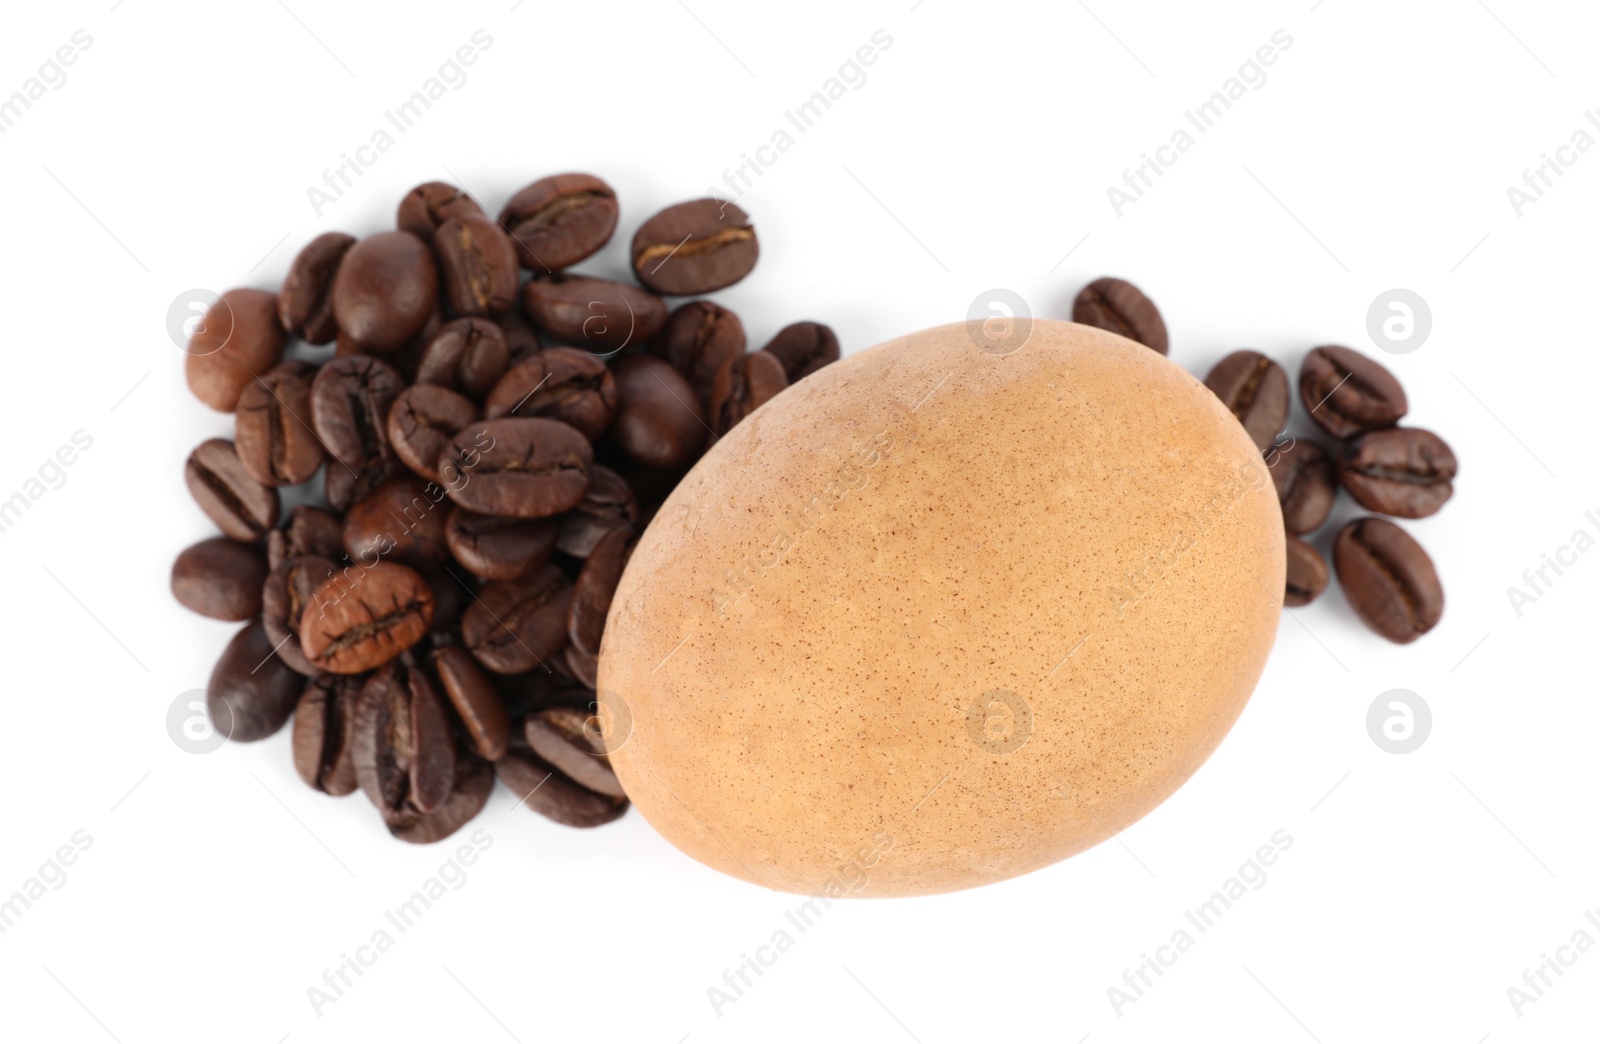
pixel 943 613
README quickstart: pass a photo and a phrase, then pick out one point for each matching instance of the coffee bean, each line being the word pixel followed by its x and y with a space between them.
pixel 305 304
pixel 1119 306
pixel 477 702
pixel 607 504
pixel 1256 391
pixel 272 426
pixel 566 739
pixel 698 339
pixel 1388 579
pixel 402 521
pixel 523 467
pixel 323 738
pixel 514 625
pixel 804 348
pixel 741 386
pixel 220 578
pixel 430 205
pixel 239 338
pixel 477 265
pixel 308 531
pixel 385 291
pixel 596 315
pixel 591 600
pixel 422 420
pixel 563 384
pixel 1307 574
pixel 658 421
pixel 560 220
pixel 1303 475
pixel 353 624
pixel 345 486
pixel 287 590
pixel 498 548
pixel 350 400
pixel 538 786
pixel 521 340
pixel 1406 472
pixel 241 507
pixel 694 248
pixel 251 692
pixel 467 355
pixel 1347 393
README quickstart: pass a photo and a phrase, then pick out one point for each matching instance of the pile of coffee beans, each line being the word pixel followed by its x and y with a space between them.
pixel 1387 577
pixel 423 526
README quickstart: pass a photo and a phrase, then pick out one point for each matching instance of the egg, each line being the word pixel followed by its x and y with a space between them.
pixel 947 611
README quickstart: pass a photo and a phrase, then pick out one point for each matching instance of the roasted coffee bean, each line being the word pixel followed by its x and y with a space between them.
pixel 804 348
pixel 385 291
pixel 566 738
pixel 1119 306
pixel 1406 472
pixel 596 315
pixel 220 578
pixel 591 600
pixel 537 785
pixel 1388 579
pixel 402 521
pixel 240 506
pixel 695 248
pixel 1307 574
pixel 345 486
pixel 658 421
pixel 239 338
pixel 251 692
pixel 698 340
pixel 1256 391
pixel 515 625
pixel 272 426
pixel 563 384
pixel 1347 393
pixel 478 704
pixel 353 624
pixel 305 304
pixel 422 421
pixel 288 589
pixel 323 738
pixel 521 340
pixel 560 220
pixel 350 400
pixel 308 531
pixel 467 355
pixel 430 205
pixel 523 467
pixel 477 265
pixel 499 548
pixel 607 504
pixel 742 385
pixel 405 749
pixel 1303 475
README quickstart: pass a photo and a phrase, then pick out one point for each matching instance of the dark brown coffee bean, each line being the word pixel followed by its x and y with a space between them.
pixel 251 692
pixel 566 739
pixel 498 548
pixel 220 578
pixel 324 733
pixel 1256 391
pixel 308 531
pixel 272 426
pixel 522 467
pixel 430 205
pixel 467 355
pixel 1303 475
pixel 596 315
pixel 1307 574
pixel 239 338
pixel 477 265
pixel 421 423
pixel 742 385
pixel 1347 393
pixel 345 486
pixel 305 304
pixel 521 340
pixel 288 589
pixel 240 506
pixel 477 702
pixel 537 785
pixel 563 384
pixel 350 400
pixel 1406 472
pixel 591 600
pixel 698 340
pixel 804 348
pixel 607 504
pixel 694 248
pixel 405 750
pixel 1119 306
pixel 658 421
pixel 515 625
pixel 560 220
pixel 402 521
pixel 1388 579
pixel 353 624
pixel 385 291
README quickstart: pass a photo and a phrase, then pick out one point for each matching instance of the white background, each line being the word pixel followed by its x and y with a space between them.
pixel 977 154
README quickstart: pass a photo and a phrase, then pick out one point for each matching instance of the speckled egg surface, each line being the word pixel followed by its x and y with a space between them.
pixel 940 615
